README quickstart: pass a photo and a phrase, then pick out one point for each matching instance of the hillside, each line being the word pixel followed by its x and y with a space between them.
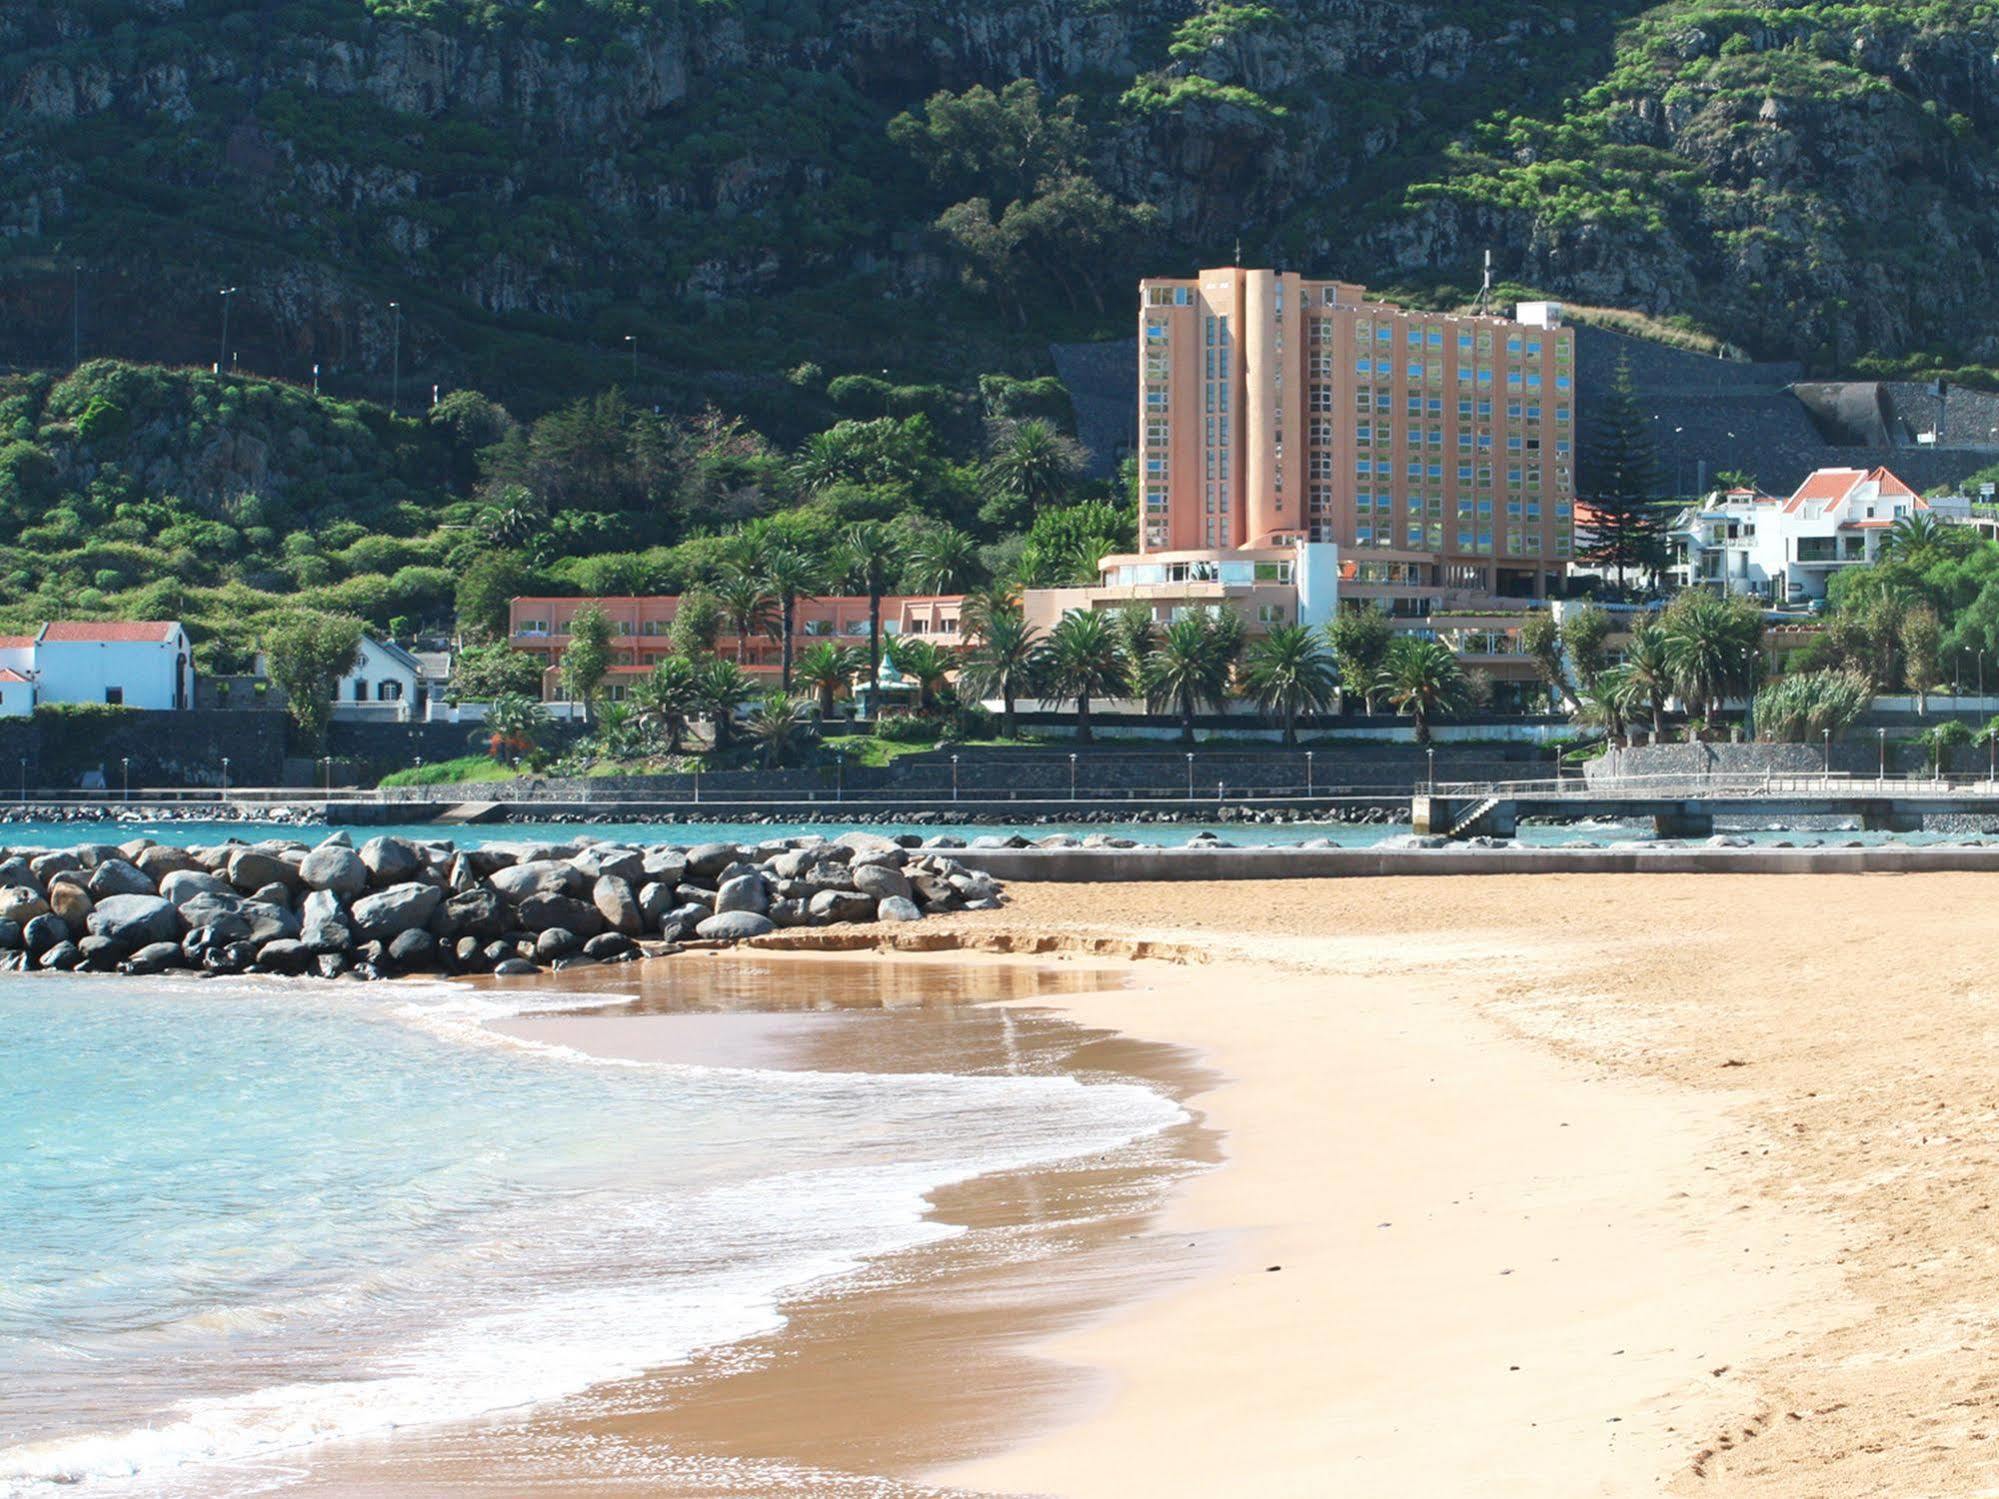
pixel 745 186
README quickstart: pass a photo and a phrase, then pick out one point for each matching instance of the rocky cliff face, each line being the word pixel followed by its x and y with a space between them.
pixel 533 184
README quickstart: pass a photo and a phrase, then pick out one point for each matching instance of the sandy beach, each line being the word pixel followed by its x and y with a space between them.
pixel 1528 1185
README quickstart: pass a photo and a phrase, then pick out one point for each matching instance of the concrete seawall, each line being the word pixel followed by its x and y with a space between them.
pixel 1092 865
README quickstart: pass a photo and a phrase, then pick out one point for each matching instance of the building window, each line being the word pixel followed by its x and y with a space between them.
pixel 114 695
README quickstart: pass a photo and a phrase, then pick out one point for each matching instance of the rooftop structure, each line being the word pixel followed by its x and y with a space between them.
pixel 128 663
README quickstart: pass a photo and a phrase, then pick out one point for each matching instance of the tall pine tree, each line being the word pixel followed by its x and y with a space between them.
pixel 1626 537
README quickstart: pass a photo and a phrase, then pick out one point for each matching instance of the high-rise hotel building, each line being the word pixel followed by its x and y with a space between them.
pixel 1437 450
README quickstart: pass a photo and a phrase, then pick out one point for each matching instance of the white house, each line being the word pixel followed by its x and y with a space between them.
pixel 134 663
pixel 1786 550
pixel 388 682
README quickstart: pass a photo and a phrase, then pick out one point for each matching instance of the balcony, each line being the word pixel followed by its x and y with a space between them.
pixel 1831 551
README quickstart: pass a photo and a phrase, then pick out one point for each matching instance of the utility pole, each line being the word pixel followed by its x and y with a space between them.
pixel 222 355
pixel 632 339
pixel 396 359
pixel 75 316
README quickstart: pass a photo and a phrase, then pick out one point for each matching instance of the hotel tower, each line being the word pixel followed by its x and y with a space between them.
pixel 1435 450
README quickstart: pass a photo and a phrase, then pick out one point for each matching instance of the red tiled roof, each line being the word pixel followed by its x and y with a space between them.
pixel 16 642
pixel 8 674
pixel 109 631
pixel 1831 485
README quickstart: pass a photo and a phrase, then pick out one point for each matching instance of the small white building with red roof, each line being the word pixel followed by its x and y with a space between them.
pixel 129 663
pixel 1786 548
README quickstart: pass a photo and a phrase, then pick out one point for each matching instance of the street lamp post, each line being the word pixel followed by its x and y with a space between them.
pixel 1190 775
pixel 1310 789
pixel 326 765
pixel 1431 755
pixel 1826 763
pixel 632 341
pixel 839 775
pixel 396 357
pixel 954 778
pixel 1881 759
pixel 225 778
pixel 222 356
pixel 1072 775
pixel 24 779
pixel 125 766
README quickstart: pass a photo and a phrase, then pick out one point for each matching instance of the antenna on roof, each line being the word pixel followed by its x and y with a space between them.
pixel 1238 250
pixel 1483 306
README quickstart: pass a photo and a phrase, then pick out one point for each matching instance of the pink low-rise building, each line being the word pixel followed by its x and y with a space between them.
pixel 643 629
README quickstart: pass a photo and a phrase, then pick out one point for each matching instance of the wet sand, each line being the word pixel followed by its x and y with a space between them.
pixel 1532 1185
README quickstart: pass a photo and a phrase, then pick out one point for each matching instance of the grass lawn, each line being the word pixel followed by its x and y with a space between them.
pixel 451 772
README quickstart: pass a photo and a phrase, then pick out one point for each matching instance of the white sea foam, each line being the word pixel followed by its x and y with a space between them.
pixel 558 1292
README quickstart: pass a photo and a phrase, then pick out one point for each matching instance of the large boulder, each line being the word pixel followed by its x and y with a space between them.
pixel 881 881
pixel 182 885
pixel 842 905
pixel 735 925
pixel 44 932
pixel 154 957
pixel 655 900
pixel 251 869
pixel 745 892
pixel 414 949
pixel 323 923
pixel 22 903
pixel 331 867
pixel 390 861
pixel 137 920
pixel 477 913
pixel 389 913
pixel 538 877
pixel 14 870
pixel 897 908
pixel 612 896
pixel 790 912
pixel 665 866
pixel 708 859
pixel 285 955
pixel 116 877
pixel 538 913
pixel 62 957
pixel 157 861
pixel 71 901
pixel 57 861
pixel 608 859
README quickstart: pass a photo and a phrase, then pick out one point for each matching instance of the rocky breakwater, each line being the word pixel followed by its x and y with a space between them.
pixel 397 906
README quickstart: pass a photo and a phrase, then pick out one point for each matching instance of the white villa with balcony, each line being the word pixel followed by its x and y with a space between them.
pixel 1786 550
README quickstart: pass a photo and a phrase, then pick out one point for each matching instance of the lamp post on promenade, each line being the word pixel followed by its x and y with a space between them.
pixel 1431 754
pixel 1881 759
pixel 1826 763
pixel 225 778
pixel 839 775
pixel 222 355
pixel 954 778
pixel 631 339
pixel 1190 775
pixel 125 767
pixel 326 765
pixel 1309 789
pixel 1072 775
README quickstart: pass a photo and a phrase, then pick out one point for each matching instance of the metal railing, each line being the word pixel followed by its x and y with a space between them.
pixel 1751 785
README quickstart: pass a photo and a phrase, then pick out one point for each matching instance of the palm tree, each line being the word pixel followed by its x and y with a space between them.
pixel 1005 653
pixel 1289 671
pixel 1084 660
pixel 1029 464
pixel 720 688
pixel 1137 635
pixel 776 725
pixel 747 608
pixel 925 663
pixel 871 556
pixel 826 669
pixel 1423 680
pixel 514 725
pixel 1609 703
pixel 1713 647
pixel 1192 663
pixel 790 575
pixel 1648 668
pixel 666 699
pixel 943 559
pixel 1922 534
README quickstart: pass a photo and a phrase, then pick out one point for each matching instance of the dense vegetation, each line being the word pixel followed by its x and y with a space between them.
pixel 700 196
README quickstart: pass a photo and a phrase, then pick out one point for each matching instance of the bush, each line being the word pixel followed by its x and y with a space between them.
pixel 908 728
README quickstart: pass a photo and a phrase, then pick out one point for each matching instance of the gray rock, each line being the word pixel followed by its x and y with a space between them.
pixel 268 920
pixel 154 957
pixel 871 845
pixel 252 869
pixel 735 925
pixel 655 900
pixel 63 956
pixel 413 949
pixel 273 894
pixel 391 912
pixel 696 895
pixel 285 955
pixel 541 877
pixel 708 859
pixel 540 912
pixel 609 859
pixel 137 920
pixel 743 893
pixel 514 967
pixel 678 924
pixel 46 866
pixel 323 923
pixel 470 955
pixel 612 896
pixel 14 870
pixel 71 902
pixel 116 877
pixel 10 935
pixel 880 881
pixel 790 912
pixel 390 861
pixel 897 908
pixel 477 913
pixel 555 941
pixel 330 867
pixel 100 954
pixel 665 866
pixel 158 861
pixel 842 905
pixel 608 947
pixel 935 893
pixel 330 965
pixel 182 885
pixel 22 903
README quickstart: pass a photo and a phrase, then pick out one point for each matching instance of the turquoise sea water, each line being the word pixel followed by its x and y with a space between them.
pixel 242 1218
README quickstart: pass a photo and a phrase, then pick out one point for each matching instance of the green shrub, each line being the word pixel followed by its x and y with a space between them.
pixel 898 727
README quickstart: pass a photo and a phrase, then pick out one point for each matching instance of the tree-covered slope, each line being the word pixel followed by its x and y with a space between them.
pixel 744 185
